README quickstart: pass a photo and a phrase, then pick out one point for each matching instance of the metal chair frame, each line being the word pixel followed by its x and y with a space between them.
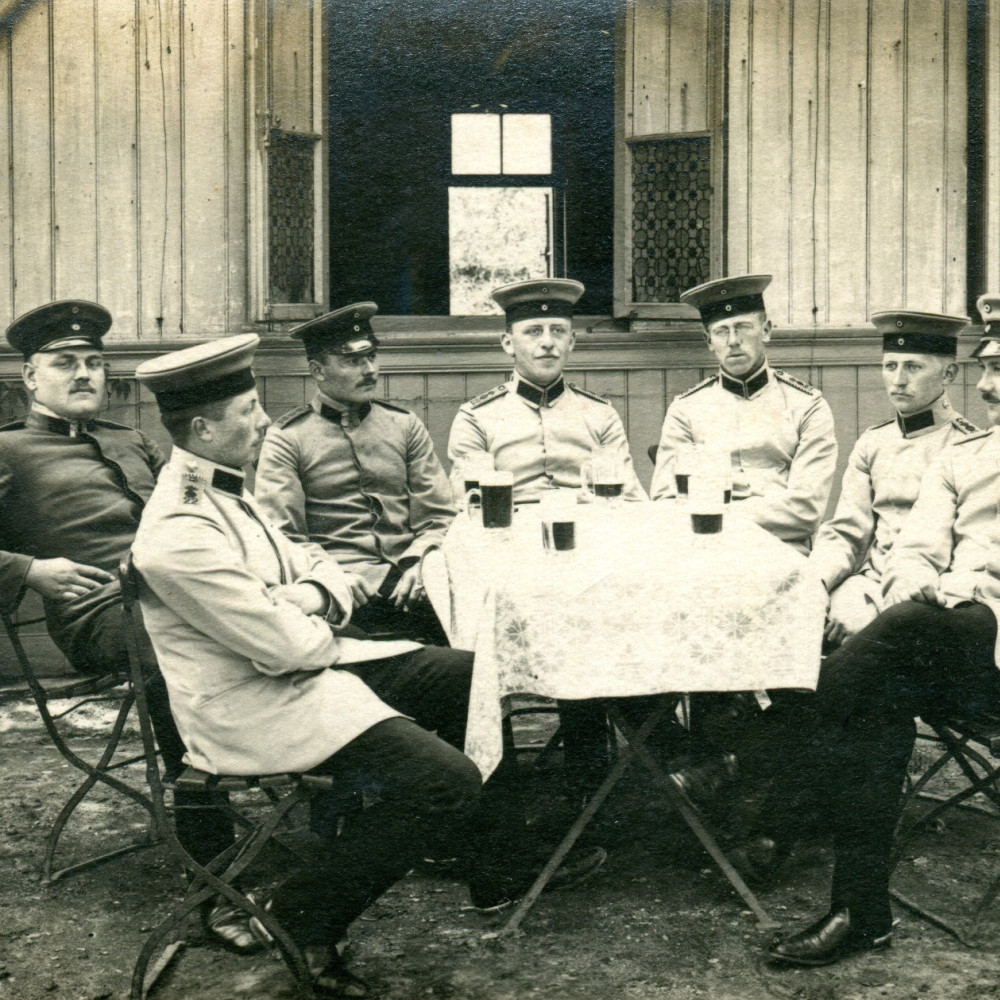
pixel 86 690
pixel 970 743
pixel 281 792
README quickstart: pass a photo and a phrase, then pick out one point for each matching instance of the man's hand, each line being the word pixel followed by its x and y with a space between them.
pixel 927 594
pixel 410 588
pixel 64 580
pixel 361 591
pixel 308 597
pixel 836 632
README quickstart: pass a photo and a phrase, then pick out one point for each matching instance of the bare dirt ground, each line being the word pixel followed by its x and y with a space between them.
pixel 657 922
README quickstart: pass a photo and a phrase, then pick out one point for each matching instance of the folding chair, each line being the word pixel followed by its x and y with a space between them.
pixel 974 745
pixel 281 793
pixel 82 691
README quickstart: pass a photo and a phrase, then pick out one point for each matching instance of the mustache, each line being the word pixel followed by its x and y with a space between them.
pixel 368 381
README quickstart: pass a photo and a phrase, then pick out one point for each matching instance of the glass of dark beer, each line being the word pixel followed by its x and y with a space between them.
pixel 602 476
pixel 706 500
pixel 557 510
pixel 496 497
pixel 683 468
pixel 466 477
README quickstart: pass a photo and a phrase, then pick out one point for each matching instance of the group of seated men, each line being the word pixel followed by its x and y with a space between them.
pixel 248 598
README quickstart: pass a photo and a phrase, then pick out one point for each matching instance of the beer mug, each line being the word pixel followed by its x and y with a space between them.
pixel 557 510
pixel 469 471
pixel 496 498
pixel 706 498
pixel 715 461
pixel 684 464
pixel 602 476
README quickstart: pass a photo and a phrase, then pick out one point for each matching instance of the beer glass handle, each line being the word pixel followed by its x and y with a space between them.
pixel 477 494
pixel 586 474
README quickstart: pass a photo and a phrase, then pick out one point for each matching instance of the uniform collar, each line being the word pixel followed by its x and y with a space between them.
pixel 43 418
pixel 938 413
pixel 348 417
pixel 536 395
pixel 746 387
pixel 199 471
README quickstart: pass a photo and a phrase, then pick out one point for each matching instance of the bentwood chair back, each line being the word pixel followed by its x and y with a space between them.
pixel 274 797
pixel 57 702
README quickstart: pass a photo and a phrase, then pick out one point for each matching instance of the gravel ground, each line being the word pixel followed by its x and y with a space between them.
pixel 657 922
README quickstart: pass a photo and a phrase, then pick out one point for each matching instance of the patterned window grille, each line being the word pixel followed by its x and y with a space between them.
pixel 671 215
pixel 292 206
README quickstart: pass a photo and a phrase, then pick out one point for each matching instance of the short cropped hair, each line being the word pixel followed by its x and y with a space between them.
pixel 178 422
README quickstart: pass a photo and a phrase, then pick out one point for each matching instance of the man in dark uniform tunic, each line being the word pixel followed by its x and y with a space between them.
pixel 72 485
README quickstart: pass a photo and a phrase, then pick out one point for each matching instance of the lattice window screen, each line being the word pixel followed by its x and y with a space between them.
pixel 291 227
pixel 671 217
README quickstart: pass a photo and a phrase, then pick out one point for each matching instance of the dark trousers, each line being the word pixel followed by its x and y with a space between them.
pixel 203 831
pixel 421 794
pixel 850 743
pixel 381 617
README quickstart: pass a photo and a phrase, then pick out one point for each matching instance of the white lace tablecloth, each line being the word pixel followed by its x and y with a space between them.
pixel 642 606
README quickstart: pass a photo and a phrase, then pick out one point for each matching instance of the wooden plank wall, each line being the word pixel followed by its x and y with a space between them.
pixel 846 165
pixel 123 122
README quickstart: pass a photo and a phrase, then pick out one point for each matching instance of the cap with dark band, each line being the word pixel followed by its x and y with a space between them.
pixel 52 327
pixel 539 298
pixel 205 373
pixel 989 309
pixel 727 297
pixel 347 331
pixel 905 332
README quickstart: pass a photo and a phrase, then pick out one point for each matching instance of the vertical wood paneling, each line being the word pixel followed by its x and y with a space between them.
pixel 992 144
pixel 807 232
pixel 235 178
pixel 770 159
pixel 160 162
pixel 74 187
pixel 687 68
pixel 955 178
pixel 739 232
pixel 205 127
pixel 886 86
pixel 645 418
pixel 32 151
pixel 923 139
pixel 873 405
pixel 446 393
pixel 115 234
pixel 6 203
pixel 840 390
pixel 291 65
pixel 844 292
pixel 649 67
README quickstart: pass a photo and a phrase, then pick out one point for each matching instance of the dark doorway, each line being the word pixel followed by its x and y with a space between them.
pixel 399 69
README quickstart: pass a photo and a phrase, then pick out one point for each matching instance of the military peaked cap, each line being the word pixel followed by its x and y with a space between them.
pixel 346 331
pixel 905 332
pixel 538 298
pixel 989 309
pixel 727 297
pixel 68 323
pixel 205 373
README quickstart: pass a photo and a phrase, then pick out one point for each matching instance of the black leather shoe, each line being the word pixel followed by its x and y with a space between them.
pixel 494 895
pixel 230 926
pixel 829 939
pixel 760 858
pixel 336 982
pixel 703 782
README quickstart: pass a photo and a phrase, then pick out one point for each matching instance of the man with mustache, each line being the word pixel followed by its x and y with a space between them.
pixel 777 430
pixel 932 651
pixel 72 489
pixel 887 463
pixel 358 476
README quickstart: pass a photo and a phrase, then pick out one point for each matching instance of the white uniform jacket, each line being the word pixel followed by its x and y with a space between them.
pixel 780 435
pixel 879 488
pixel 542 436
pixel 246 671
pixel 951 540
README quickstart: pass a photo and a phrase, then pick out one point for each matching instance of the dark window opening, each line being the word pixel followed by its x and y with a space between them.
pixel 976 156
pixel 398 73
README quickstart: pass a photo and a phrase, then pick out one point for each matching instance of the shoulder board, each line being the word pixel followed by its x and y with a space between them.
pixel 14 425
pixel 292 415
pixel 391 406
pixel 794 382
pixel 703 384
pixel 487 397
pixel 589 394
pixel 971 437
pixel 885 423
pixel 965 426
pixel 112 425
